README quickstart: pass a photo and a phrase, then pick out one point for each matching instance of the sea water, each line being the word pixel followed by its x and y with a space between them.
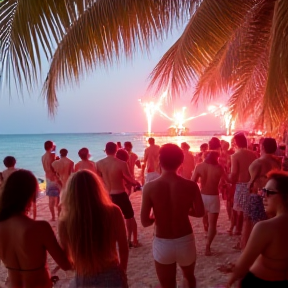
pixel 28 149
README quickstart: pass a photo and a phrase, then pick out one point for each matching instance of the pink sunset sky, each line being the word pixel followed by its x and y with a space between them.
pixel 104 101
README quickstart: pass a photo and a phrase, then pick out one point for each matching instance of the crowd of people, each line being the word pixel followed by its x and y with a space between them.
pixel 96 222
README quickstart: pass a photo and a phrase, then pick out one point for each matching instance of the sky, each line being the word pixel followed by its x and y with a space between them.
pixel 104 101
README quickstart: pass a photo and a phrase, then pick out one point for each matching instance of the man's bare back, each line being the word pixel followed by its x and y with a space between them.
pixel 210 176
pixel 172 199
pixel 240 162
pixel 259 169
pixel 63 167
pixel 47 159
pixel 85 164
pixel 114 172
pixel 151 158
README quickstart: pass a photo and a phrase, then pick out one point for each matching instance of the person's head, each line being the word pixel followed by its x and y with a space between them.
pixel 240 140
pixel 48 145
pixel 122 155
pixel 111 148
pixel 204 147
pixel 276 192
pixel 151 141
pixel 84 153
pixel 214 144
pixel 17 194
pixel 171 157
pixel 119 145
pixel 185 146
pixel 9 161
pixel 128 146
pixel 63 152
pixel 225 145
pixel 269 145
pixel 89 221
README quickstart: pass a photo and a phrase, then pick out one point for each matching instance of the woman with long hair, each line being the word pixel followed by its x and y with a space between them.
pixel 24 241
pixel 264 261
pixel 89 228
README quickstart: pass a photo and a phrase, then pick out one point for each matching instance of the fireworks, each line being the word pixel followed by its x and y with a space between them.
pixel 178 119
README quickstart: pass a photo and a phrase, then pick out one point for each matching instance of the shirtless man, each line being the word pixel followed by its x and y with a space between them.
pixel 132 161
pixel 85 163
pixel 210 172
pixel 240 162
pixel 53 186
pixel 188 164
pixel 258 170
pixel 172 199
pixel 63 167
pixel 151 161
pixel 115 173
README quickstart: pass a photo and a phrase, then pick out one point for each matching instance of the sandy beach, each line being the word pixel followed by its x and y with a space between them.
pixel 141 271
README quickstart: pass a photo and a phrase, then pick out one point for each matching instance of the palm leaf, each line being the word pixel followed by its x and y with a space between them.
pixel 107 30
pixel 276 94
pixel 27 28
pixel 209 29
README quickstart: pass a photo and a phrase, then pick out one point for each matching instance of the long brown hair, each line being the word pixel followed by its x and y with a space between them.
pixel 17 194
pixel 87 220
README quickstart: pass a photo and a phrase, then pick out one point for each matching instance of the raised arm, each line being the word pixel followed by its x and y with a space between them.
pixel 197 206
pixel 257 242
pixel 121 238
pixel 146 207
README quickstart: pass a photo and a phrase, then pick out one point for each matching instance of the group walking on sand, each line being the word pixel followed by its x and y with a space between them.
pixel 96 221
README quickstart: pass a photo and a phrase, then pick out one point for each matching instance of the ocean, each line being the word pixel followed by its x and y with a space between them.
pixel 28 149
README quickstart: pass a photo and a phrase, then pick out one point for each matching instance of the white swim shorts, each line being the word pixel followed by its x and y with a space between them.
pixel 181 250
pixel 211 203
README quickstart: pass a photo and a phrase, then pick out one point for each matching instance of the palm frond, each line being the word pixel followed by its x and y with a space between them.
pixel 107 30
pixel 26 28
pixel 276 94
pixel 209 29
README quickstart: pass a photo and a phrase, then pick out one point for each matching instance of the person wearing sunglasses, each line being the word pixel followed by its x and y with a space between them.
pixel 264 261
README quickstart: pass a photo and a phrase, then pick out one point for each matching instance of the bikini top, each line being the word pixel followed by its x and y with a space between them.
pixel 25 270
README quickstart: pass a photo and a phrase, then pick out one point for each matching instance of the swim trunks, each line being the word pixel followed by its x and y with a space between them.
pixel 113 277
pixel 52 188
pixel 241 197
pixel 211 203
pixel 250 280
pixel 123 202
pixel 181 250
pixel 256 210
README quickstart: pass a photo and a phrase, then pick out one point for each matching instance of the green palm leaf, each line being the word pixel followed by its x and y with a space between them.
pixel 107 30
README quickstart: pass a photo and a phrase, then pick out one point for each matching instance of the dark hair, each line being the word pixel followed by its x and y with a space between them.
pixel 119 145
pixel 151 140
pixel 128 144
pixel 240 140
pixel 63 152
pixel 48 145
pixel 185 145
pixel 211 157
pixel 18 192
pixel 110 148
pixel 225 144
pixel 204 146
pixel 269 145
pixel 83 153
pixel 122 155
pixel 9 161
pixel 170 156
pixel 214 143
pixel 281 179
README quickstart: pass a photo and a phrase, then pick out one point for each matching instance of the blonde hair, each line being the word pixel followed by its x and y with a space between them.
pixel 87 220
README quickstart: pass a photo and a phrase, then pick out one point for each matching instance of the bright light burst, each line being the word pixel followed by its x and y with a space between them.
pixel 179 119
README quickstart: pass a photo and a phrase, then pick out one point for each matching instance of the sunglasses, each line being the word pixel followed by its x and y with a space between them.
pixel 264 192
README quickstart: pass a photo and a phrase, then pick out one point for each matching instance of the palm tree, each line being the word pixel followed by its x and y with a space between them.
pixel 228 45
